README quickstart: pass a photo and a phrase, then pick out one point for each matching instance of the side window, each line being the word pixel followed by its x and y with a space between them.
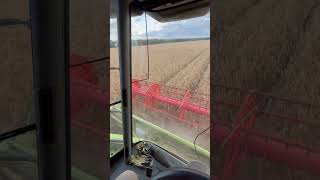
pixel 15 68
pixel 18 140
pixel 89 64
pixel 116 143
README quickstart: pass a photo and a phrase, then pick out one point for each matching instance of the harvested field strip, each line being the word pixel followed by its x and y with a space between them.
pixel 204 84
pixel 184 78
pixel 114 86
pixel 189 77
pixel 166 60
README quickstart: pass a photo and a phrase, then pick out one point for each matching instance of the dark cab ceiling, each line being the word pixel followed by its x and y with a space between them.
pixel 167 10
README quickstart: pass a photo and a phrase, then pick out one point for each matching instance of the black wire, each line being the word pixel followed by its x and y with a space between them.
pixel 146 22
pixel 195 139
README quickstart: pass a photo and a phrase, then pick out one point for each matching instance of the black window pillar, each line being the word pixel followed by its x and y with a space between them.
pixel 50 50
pixel 124 39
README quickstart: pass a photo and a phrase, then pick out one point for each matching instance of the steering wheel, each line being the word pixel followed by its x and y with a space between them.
pixel 180 173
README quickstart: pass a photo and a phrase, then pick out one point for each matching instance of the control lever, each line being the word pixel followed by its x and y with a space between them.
pixel 149 170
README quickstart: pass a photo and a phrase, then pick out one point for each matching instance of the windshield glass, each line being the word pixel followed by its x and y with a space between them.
pixel 171 91
pixel 170 85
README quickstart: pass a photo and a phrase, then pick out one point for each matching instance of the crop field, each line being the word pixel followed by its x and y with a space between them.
pixel 271 46
pixel 183 65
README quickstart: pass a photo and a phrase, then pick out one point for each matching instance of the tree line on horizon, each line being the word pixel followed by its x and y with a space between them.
pixel 142 42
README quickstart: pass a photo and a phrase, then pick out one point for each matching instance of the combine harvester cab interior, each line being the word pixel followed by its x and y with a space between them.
pixel 148 120
pixel 61 133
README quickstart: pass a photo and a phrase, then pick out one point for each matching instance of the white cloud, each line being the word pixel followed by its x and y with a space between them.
pixel 190 28
pixel 113 29
pixel 139 27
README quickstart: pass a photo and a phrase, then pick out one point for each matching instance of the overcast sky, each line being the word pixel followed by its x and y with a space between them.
pixel 190 28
